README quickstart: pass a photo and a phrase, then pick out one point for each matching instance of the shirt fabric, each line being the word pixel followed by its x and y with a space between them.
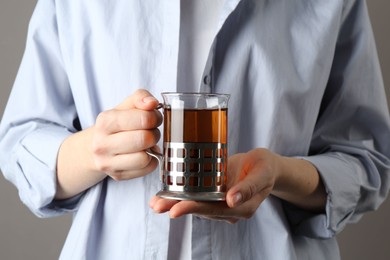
pixel 304 81
pixel 198 22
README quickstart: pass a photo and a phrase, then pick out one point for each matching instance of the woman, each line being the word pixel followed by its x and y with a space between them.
pixel 308 134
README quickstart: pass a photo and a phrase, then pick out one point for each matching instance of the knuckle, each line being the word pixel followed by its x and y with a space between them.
pixel 101 119
pixel 149 120
pixel 104 120
pixel 98 149
pixel 251 191
pixel 142 159
pixel 99 146
pixel 146 138
pixel 103 166
pixel 140 139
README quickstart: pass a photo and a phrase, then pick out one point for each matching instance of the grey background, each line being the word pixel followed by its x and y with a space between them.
pixel 24 236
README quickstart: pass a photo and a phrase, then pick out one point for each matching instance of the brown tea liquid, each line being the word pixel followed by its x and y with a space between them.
pixel 195 125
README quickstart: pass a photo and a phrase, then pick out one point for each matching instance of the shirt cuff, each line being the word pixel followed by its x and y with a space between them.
pixel 339 173
pixel 34 171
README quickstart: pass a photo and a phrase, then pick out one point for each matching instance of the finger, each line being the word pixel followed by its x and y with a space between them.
pixel 132 141
pixel 233 170
pixel 230 220
pixel 127 166
pixel 131 162
pixel 255 183
pixel 200 208
pixel 128 175
pixel 140 99
pixel 215 210
pixel 113 121
pixel 153 201
pixel 160 205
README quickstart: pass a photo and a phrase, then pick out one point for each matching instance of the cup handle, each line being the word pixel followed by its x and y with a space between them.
pixel 159 157
pixel 154 154
pixel 151 152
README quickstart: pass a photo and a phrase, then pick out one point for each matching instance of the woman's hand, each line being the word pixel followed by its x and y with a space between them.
pixel 122 134
pixel 114 146
pixel 252 177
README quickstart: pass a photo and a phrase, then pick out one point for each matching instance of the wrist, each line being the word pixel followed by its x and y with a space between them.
pixel 298 182
pixel 281 174
pixel 76 170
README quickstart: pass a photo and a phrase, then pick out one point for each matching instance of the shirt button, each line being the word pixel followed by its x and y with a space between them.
pixel 207 80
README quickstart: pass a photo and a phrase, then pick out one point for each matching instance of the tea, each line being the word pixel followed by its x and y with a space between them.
pixel 193 165
pixel 195 125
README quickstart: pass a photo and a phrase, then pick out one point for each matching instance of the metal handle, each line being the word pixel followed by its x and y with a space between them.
pixel 160 159
pixel 157 155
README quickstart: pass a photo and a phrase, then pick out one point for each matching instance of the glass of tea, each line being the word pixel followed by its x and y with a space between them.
pixel 194 160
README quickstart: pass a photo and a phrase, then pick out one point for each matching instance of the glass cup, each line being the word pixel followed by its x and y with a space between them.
pixel 194 160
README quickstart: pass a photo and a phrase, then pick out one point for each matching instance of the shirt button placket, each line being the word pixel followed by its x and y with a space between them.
pixel 207 80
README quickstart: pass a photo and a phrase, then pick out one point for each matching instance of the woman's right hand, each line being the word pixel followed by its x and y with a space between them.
pixel 115 146
pixel 122 135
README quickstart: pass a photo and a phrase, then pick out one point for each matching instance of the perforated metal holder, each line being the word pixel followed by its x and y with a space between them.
pixel 194 171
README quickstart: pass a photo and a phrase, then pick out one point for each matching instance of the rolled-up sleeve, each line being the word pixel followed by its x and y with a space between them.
pixel 351 141
pixel 38 117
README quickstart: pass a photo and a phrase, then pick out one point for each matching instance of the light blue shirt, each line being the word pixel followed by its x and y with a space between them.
pixel 304 81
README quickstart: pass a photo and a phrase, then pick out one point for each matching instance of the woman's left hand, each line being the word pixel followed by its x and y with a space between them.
pixel 251 178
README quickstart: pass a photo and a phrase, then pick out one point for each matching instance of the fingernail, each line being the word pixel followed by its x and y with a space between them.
pixel 237 198
pixel 149 99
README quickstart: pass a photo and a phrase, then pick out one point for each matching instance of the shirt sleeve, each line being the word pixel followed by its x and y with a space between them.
pixel 38 117
pixel 350 146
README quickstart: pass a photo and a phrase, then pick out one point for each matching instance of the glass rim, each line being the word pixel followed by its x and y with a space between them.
pixel 203 94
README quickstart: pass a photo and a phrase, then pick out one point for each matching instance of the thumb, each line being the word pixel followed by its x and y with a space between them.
pixel 248 187
pixel 140 99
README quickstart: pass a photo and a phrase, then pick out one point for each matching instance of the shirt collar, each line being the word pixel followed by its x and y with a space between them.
pixel 228 8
